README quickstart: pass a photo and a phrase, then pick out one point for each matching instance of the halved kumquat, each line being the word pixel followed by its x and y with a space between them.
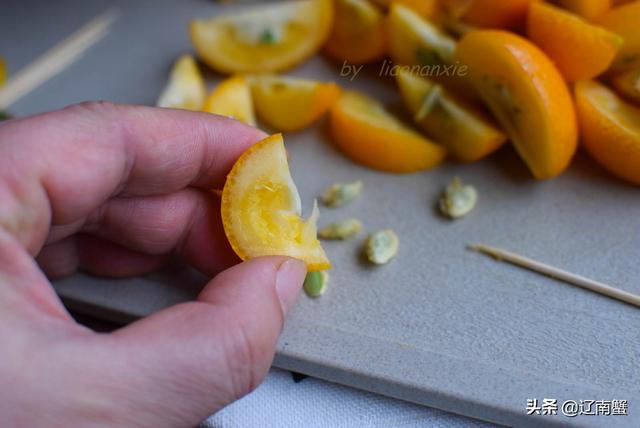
pixel 367 133
pixel 589 9
pixel 610 129
pixel 264 38
pixel 526 94
pixel 624 20
pixel 358 35
pixel 186 88
pixel 466 132
pixel 414 40
pixel 261 208
pixel 290 103
pixel 426 8
pixel 232 97
pixel 580 50
pixel 508 14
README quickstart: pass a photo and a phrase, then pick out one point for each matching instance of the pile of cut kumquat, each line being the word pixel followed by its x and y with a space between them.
pixel 542 76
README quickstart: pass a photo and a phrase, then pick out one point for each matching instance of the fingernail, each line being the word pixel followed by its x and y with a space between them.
pixel 289 279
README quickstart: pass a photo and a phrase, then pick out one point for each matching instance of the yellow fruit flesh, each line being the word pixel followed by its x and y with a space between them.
pixel 371 136
pixel 271 37
pixel 186 88
pixel 526 94
pixel 232 98
pixel 413 40
pixel 261 208
pixel 425 8
pixel 290 104
pixel 579 49
pixel 610 129
pixel 467 133
pixel 624 21
pixel 373 113
pixel 358 34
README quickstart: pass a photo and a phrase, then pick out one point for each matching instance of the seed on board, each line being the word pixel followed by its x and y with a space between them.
pixel 341 230
pixel 381 246
pixel 315 283
pixel 458 199
pixel 341 193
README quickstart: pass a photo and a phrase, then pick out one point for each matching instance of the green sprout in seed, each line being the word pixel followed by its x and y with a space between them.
pixel 268 37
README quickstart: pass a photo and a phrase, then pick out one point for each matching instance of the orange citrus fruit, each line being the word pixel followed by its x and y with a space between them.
pixel 627 84
pixel 489 13
pixel 425 8
pixel 232 97
pixel 624 20
pixel 589 9
pixel 261 208
pixel 358 35
pixel 371 136
pixel 526 94
pixel 414 40
pixel 290 103
pixel 610 129
pixel 580 50
pixel 264 38
pixel 466 132
pixel 186 88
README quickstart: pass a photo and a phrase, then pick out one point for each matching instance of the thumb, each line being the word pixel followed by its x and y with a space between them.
pixel 181 364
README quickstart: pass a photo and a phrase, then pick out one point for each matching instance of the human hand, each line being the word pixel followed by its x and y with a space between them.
pixel 114 190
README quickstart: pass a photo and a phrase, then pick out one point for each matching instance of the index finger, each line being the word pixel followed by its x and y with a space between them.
pixel 57 167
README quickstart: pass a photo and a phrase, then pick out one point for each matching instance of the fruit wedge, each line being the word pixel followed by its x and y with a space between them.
pixel 261 208
pixel 289 103
pixel 508 14
pixel 265 38
pixel 358 35
pixel 186 88
pixel 627 84
pixel 371 136
pixel 580 50
pixel 232 97
pixel 590 9
pixel 425 8
pixel 466 132
pixel 624 20
pixel 610 129
pixel 526 94
pixel 414 40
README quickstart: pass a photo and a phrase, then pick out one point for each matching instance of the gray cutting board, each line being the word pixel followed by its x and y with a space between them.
pixel 439 325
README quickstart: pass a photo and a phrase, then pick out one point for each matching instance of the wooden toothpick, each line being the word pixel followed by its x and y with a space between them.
pixel 56 59
pixel 557 273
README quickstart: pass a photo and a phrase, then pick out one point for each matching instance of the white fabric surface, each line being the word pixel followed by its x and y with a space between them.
pixel 313 403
